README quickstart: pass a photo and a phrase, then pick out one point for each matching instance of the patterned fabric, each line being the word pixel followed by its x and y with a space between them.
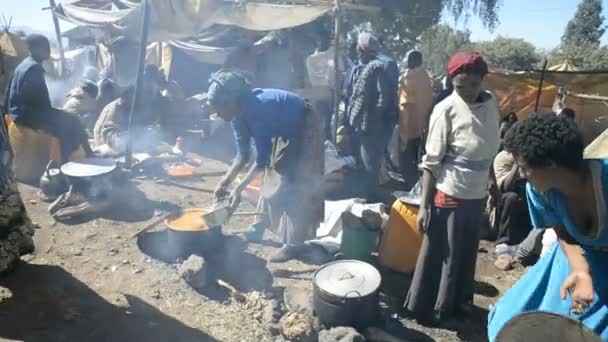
pixel 16 229
pixel 358 101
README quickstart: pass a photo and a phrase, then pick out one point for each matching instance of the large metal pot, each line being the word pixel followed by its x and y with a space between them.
pixel 346 293
pixel 93 177
pixel 196 239
pixel 545 326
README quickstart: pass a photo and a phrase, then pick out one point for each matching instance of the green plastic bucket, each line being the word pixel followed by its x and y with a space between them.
pixel 358 243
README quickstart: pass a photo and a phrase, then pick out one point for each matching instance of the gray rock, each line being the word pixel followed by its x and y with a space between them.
pixel 194 272
pixel 504 262
pixel 341 334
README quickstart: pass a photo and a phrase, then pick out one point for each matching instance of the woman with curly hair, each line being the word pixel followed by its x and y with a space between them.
pixel 461 143
pixel 568 193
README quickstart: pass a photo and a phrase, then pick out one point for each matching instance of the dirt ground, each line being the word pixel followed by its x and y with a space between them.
pixel 93 281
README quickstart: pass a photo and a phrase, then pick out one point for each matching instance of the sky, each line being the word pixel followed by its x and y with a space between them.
pixel 541 22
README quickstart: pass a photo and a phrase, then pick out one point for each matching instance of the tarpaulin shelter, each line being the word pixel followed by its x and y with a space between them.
pixel 194 32
pixel 517 92
pixel 175 20
pixel 12 51
pixel 565 66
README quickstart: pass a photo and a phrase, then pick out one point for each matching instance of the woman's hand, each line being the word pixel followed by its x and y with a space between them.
pixel 221 191
pixel 235 198
pixel 423 219
pixel 580 286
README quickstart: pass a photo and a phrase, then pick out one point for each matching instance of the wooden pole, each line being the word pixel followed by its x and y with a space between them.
pixel 337 74
pixel 139 80
pixel 59 40
pixel 540 86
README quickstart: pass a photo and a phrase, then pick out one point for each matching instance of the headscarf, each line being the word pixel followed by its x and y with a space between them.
pixel 367 42
pixel 467 62
pixel 225 86
pixel 90 88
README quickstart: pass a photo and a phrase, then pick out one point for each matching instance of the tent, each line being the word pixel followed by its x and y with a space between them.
pixel 517 92
pixel 12 51
pixel 175 20
pixel 565 66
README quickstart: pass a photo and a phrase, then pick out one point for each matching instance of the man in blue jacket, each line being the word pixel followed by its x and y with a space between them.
pixel 28 102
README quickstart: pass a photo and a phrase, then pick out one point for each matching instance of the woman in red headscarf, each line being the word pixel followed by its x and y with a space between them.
pixel 461 143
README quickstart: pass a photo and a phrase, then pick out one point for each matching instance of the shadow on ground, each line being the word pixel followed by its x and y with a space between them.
pixel 49 304
pixel 128 204
pixel 228 262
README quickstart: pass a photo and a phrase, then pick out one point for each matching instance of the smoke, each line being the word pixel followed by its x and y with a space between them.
pixel 77 69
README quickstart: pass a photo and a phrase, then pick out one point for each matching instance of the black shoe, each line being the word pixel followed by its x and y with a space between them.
pixel 286 253
pixel 448 322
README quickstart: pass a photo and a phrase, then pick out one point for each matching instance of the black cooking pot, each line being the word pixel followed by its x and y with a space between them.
pixel 346 293
pixel 183 243
pixel 93 177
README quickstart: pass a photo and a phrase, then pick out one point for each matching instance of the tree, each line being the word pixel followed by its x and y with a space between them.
pixel 586 56
pixel 402 22
pixel 509 53
pixel 439 44
pixel 587 26
pixel 581 40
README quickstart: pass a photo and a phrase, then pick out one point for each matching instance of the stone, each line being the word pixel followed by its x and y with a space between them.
pixel 341 334
pixel 194 272
pixel 5 294
pixel 113 251
pixel 297 327
pixel 504 262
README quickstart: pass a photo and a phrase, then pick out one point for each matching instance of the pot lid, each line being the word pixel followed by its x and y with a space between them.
pixel 88 167
pixel 348 279
pixel 525 327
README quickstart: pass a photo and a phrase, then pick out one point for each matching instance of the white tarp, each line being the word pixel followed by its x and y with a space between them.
pixel 329 232
pixel 202 53
pixel 175 20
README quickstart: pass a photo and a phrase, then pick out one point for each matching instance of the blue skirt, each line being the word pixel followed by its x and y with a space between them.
pixel 539 289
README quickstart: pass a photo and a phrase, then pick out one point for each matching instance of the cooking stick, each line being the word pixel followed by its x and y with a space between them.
pixel 152 224
pixel 245 213
pixel 183 186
